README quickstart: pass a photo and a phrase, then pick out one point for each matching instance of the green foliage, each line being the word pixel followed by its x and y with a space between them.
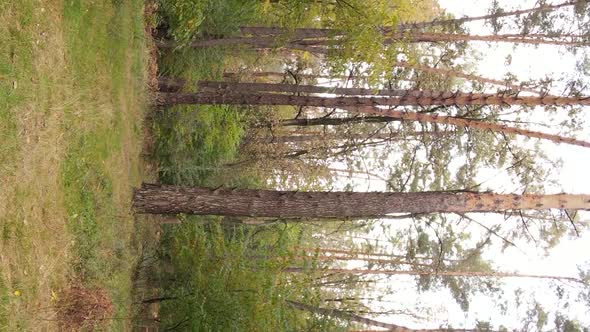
pixel 219 283
pixel 563 324
pixel 189 19
pixel 191 144
pixel 184 18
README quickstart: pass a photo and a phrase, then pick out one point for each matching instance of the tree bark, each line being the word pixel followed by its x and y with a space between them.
pixel 348 316
pixel 323 45
pixel 392 116
pixel 281 75
pixel 163 199
pixel 336 121
pixel 468 123
pixel 328 258
pixel 470 77
pixel 353 253
pixel 323 32
pixel 434 37
pixel 466 274
pixel 296 88
pixel 382 137
pixel 411 98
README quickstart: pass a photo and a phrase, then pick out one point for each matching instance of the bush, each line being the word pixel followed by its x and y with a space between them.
pixel 192 143
pixel 189 19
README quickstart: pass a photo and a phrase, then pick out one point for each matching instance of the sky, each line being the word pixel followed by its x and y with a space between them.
pixel 527 62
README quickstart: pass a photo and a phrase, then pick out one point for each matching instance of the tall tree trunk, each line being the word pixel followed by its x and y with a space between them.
pixel 323 45
pixel 163 199
pixel 323 32
pixel 468 123
pixel 457 21
pixel 347 316
pixel 353 253
pixel 383 137
pixel 392 116
pixel 458 74
pixel 404 64
pixel 329 258
pixel 279 75
pixel 296 88
pixel 466 274
pixel 448 37
pixel 411 98
pixel 323 121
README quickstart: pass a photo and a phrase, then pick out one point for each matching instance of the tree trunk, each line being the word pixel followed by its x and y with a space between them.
pixel 470 77
pixel 329 258
pixel 353 253
pixel 322 46
pixel 466 274
pixel 430 118
pixel 347 316
pixel 163 199
pixel 411 98
pixel 336 121
pixel 295 88
pixel 281 75
pixel 468 123
pixel 383 137
pixel 323 32
pixel 457 21
pixel 434 37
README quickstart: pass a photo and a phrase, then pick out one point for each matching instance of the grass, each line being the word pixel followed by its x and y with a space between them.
pixel 72 97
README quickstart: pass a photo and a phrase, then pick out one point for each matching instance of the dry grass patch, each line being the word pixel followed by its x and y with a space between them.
pixel 83 308
pixel 71 108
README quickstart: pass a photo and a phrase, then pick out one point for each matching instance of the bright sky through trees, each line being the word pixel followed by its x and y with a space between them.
pixel 527 62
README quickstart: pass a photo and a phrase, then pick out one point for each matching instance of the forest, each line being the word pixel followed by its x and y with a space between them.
pixel 294 165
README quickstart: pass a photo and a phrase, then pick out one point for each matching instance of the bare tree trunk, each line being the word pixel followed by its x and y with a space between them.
pixel 448 37
pixel 346 316
pixel 323 45
pixel 353 253
pixel 391 116
pixel 328 258
pixel 336 121
pixel 383 137
pixel 468 123
pixel 163 199
pixel 466 274
pixel 322 32
pixel 471 77
pixel 457 21
pixel 411 98
pixel 279 75
pixel 296 88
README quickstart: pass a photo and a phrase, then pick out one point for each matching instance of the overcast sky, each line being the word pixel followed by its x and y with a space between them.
pixel 527 62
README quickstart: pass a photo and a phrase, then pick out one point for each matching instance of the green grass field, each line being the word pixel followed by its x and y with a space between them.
pixel 73 95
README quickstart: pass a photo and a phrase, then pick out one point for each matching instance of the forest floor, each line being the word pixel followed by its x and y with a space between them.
pixel 73 94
